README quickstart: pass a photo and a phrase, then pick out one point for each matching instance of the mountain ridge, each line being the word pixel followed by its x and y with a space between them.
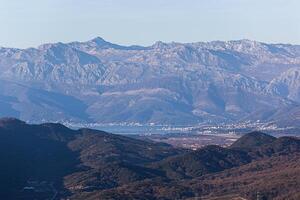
pixel 169 83
pixel 102 40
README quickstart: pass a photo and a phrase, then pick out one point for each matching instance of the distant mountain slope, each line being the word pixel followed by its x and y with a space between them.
pixel 169 83
pixel 287 84
pixel 26 102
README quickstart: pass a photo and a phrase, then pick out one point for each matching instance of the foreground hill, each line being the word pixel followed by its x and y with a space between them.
pixel 49 152
pixel 272 178
pixel 253 140
pixel 51 161
pixel 203 161
pixel 170 83
pixel 269 170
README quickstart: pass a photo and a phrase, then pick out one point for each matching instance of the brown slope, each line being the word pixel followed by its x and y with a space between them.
pixel 76 158
pixel 275 178
pixel 274 172
pixel 253 140
pixel 94 164
pixel 207 160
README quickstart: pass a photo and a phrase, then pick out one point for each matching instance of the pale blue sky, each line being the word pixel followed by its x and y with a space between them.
pixel 28 23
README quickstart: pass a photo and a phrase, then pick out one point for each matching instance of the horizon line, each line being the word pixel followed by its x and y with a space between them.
pixel 145 46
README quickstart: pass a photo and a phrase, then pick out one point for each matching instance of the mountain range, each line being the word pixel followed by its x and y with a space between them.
pixel 51 161
pixel 166 83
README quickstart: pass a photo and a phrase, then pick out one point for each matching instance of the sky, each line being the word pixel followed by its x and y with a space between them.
pixel 29 23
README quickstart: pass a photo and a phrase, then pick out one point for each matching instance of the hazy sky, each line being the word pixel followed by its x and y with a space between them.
pixel 26 23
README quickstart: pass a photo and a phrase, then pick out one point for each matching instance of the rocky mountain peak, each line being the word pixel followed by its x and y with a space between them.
pixel 164 83
pixel 99 40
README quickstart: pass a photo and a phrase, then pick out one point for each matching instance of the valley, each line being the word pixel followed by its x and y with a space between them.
pixel 191 137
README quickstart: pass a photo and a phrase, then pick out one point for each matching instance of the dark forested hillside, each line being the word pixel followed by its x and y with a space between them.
pixel 51 161
pixel 49 152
